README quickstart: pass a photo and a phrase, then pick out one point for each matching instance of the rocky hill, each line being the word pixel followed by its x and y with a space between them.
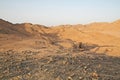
pixel 65 52
pixel 33 36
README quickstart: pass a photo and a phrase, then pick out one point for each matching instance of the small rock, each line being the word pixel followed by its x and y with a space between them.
pixel 69 78
pixel 80 78
pixel 95 75
pixel 64 62
pixel 58 78
pixel 85 67
pixel 45 70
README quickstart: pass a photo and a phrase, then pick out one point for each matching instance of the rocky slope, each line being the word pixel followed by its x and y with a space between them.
pixel 34 36
pixel 65 52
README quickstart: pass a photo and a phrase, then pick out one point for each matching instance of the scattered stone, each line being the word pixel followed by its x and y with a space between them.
pixel 81 78
pixel 95 75
pixel 69 78
pixel 19 66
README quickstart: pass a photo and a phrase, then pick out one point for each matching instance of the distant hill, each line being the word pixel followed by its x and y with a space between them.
pixel 24 29
pixel 34 36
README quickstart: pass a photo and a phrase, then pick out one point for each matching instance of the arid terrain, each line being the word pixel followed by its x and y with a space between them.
pixel 65 52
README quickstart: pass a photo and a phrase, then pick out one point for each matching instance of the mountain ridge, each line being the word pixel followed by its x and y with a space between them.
pixel 35 36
